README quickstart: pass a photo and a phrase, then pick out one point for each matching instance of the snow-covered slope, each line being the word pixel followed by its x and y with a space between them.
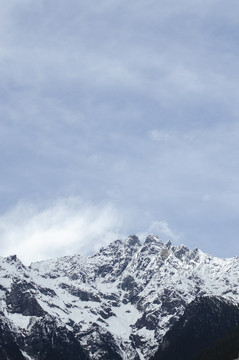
pixel 116 304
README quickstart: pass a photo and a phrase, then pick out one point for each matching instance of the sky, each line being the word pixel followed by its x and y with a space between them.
pixel 118 118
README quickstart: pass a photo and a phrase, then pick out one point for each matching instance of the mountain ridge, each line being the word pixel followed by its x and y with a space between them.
pixel 119 302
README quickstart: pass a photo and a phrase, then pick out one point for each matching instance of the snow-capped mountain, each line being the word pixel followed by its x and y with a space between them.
pixel 116 304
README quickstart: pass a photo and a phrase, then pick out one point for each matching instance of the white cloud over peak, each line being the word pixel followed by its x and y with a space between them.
pixel 64 228
pixel 36 232
pixel 163 229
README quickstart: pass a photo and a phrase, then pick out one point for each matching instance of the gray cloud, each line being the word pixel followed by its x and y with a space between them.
pixel 129 103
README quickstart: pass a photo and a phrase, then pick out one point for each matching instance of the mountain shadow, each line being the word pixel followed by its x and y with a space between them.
pixel 205 320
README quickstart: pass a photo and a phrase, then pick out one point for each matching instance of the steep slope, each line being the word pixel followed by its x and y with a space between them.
pixel 9 349
pixel 204 321
pixel 226 348
pixel 116 304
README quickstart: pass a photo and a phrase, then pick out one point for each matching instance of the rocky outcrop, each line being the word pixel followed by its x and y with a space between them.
pixel 48 339
pixel 21 300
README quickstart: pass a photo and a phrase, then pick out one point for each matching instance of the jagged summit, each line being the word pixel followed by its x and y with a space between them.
pixel 11 258
pixel 133 240
pixel 116 304
pixel 152 239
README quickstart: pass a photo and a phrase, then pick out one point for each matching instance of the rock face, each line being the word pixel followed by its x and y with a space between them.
pixel 224 348
pixel 9 349
pixel 118 304
pixel 205 320
pixel 56 342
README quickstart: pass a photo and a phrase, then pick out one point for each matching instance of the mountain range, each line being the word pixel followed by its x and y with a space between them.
pixel 129 301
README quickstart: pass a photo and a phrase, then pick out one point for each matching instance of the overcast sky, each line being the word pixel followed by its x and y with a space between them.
pixel 118 117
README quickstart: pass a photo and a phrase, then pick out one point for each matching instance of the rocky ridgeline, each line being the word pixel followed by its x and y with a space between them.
pixel 117 304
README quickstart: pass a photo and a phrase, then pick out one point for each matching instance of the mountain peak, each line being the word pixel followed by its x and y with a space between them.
pixel 168 244
pixel 12 259
pixel 152 239
pixel 133 240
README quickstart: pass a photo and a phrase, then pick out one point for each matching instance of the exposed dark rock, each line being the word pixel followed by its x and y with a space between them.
pixel 204 321
pixel 21 300
pixel 225 348
pixel 149 321
pixel 47 292
pixel 106 312
pixel 180 252
pixel 104 344
pixel 50 341
pixel 81 294
pixel 9 349
pixel 128 283
pixel 133 240
pixel 85 296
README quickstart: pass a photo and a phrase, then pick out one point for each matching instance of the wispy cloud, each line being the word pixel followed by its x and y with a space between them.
pixel 177 136
pixel 64 228
pixel 162 228
pixel 159 135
